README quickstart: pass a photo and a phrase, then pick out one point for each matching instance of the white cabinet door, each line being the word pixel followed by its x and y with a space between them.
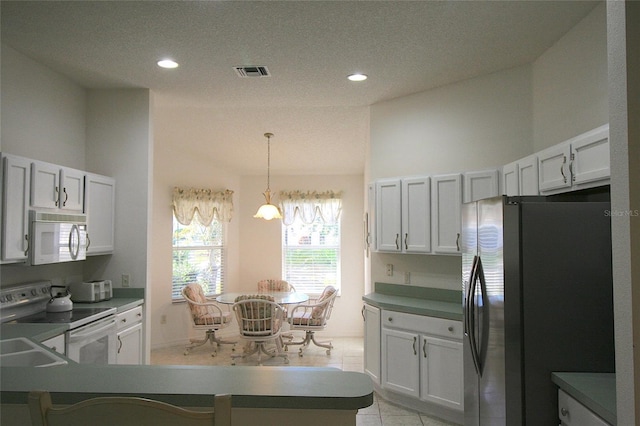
pixel 55 187
pixel 441 369
pixel 590 157
pixel 130 345
pixel 72 184
pixel 400 362
pixel 56 343
pixel 572 413
pixel 553 167
pixel 528 176
pixel 388 217
pixel 100 211
pixel 372 342
pixel 510 179
pixel 479 185
pixel 16 174
pixel 416 215
pixel 446 203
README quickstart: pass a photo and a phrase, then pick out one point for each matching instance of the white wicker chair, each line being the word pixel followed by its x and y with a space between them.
pixel 206 315
pixel 260 320
pixel 313 317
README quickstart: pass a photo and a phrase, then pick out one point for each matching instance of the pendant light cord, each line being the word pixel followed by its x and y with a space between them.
pixel 268 136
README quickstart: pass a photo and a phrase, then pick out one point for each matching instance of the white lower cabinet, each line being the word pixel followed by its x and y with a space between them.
pixel 572 413
pixel 371 315
pixel 129 336
pixel 56 344
pixel 422 358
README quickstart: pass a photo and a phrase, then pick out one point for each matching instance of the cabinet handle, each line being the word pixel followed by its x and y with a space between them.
pixel 140 314
pixel 450 329
pixel 424 348
pixel 362 313
pixel 415 340
pixel 390 319
pixel 458 241
pixel 119 344
pixel 397 246
pixel 564 412
pixel 26 237
pixel 564 161
pixel 406 236
pixel 66 197
pixel 88 242
pixel 57 196
pixel 573 177
pixel 123 320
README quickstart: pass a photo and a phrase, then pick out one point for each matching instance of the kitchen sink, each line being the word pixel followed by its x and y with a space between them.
pixel 21 352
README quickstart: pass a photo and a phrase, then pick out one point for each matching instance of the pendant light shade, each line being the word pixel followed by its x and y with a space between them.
pixel 268 211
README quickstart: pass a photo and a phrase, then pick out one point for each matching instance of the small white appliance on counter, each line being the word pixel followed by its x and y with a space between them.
pixel 91 291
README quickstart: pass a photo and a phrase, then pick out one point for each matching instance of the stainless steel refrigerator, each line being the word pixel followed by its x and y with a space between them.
pixel 537 298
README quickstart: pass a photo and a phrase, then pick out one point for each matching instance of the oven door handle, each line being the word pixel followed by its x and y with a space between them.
pixel 78 336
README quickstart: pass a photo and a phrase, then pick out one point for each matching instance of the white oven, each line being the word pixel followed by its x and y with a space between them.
pixel 94 343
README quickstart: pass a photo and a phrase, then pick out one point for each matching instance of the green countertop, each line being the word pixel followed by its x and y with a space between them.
pixel 431 302
pixel 596 391
pixel 251 387
pixel 192 386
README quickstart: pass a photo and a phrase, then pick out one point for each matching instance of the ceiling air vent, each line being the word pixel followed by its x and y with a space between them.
pixel 252 71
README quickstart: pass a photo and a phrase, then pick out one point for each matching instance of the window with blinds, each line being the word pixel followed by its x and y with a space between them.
pixel 198 257
pixel 311 255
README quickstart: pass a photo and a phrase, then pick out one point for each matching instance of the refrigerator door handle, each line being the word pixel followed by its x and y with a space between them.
pixel 467 297
pixel 470 315
pixel 478 339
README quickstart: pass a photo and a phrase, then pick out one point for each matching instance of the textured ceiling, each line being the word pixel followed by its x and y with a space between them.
pixel 320 120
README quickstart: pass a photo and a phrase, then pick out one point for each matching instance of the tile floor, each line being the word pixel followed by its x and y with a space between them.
pixel 347 355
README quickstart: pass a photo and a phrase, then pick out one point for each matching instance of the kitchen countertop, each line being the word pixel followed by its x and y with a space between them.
pixel 251 387
pixel 431 302
pixel 192 386
pixel 596 391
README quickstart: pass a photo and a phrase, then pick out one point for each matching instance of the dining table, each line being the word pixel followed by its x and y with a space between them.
pixel 281 298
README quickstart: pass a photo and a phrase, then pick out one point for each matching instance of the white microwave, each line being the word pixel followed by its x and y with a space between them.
pixel 57 237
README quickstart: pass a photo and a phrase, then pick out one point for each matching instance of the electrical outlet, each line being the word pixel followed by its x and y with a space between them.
pixel 407 277
pixel 125 280
pixel 389 269
pixel 163 319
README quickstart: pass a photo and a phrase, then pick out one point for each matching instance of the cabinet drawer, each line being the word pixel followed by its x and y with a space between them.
pixel 128 318
pixel 430 325
pixel 572 413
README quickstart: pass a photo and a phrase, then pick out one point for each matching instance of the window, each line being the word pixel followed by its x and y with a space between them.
pixel 198 256
pixel 311 255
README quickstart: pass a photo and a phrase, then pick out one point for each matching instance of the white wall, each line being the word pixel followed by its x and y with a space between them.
pixel 261 250
pixel 570 83
pixel 486 122
pixel 43 118
pixel 176 168
pixel 623 22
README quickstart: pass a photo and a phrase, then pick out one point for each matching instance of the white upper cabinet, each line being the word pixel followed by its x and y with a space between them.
pixel 16 176
pixel 479 185
pixel 581 162
pixel 446 203
pixel 56 187
pixel 416 215
pixel 388 215
pixel 403 209
pixel 521 177
pixel 100 211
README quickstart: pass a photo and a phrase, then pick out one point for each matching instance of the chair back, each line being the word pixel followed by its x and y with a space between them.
pixel 125 411
pixel 265 286
pixel 203 311
pixel 258 315
pixel 321 313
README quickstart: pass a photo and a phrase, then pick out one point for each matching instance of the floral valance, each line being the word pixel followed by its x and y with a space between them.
pixel 207 203
pixel 308 204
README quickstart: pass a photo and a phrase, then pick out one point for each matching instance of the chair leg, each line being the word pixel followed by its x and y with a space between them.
pixel 260 348
pixel 210 336
pixel 308 338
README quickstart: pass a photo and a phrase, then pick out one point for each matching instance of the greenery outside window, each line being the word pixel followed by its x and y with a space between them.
pixel 198 257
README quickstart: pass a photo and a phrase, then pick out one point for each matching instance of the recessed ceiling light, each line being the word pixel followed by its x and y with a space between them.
pixel 167 63
pixel 357 77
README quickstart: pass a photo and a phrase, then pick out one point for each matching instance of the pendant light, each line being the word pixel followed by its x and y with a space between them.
pixel 268 211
